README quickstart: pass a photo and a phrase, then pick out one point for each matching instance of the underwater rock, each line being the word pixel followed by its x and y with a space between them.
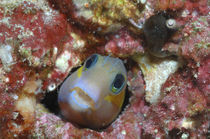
pixel 136 83
pixel 32 64
pixel 123 44
pixel 203 76
pixel 100 16
pixel 155 72
pixel 177 5
pixel 183 100
pixel 195 44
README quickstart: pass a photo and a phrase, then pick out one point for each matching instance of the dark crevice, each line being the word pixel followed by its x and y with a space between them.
pixel 175 134
pixel 50 100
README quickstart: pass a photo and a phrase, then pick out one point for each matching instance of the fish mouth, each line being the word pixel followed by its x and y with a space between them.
pixel 82 99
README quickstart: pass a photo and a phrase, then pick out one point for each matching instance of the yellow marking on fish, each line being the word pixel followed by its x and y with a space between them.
pixel 116 99
pixel 79 73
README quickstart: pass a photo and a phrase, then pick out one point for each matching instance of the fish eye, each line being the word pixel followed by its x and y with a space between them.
pixel 91 61
pixel 171 24
pixel 118 84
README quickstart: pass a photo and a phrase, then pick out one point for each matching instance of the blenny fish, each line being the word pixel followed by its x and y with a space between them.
pixel 93 95
pixel 158 29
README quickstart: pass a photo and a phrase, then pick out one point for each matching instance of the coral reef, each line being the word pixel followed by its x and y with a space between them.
pixel 42 41
pixel 101 16
pixel 190 5
pixel 33 59
pixel 123 44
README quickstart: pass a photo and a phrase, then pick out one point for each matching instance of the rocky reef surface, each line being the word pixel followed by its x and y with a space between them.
pixel 42 41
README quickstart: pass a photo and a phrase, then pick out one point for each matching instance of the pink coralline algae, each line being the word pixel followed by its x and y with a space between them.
pixel 186 102
pixel 6 110
pixel 123 44
pixel 191 5
pixel 100 16
pixel 196 43
pixel 203 76
pixel 32 41
pixel 41 42
pixel 32 44
pixel 136 82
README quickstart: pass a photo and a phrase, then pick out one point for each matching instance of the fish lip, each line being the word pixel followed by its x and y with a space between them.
pixel 80 95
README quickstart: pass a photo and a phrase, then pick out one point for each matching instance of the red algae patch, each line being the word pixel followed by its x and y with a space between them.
pixel 203 76
pixel 123 44
pixel 196 41
pixel 185 100
pixel 199 5
pixel 100 16
pixel 32 42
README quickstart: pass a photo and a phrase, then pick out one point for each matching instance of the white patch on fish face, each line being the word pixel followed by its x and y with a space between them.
pixel 77 102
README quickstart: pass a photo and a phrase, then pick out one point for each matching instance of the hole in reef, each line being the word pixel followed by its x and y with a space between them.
pixel 126 101
pixel 50 101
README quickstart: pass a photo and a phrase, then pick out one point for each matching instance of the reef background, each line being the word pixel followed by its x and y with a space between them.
pixel 41 41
